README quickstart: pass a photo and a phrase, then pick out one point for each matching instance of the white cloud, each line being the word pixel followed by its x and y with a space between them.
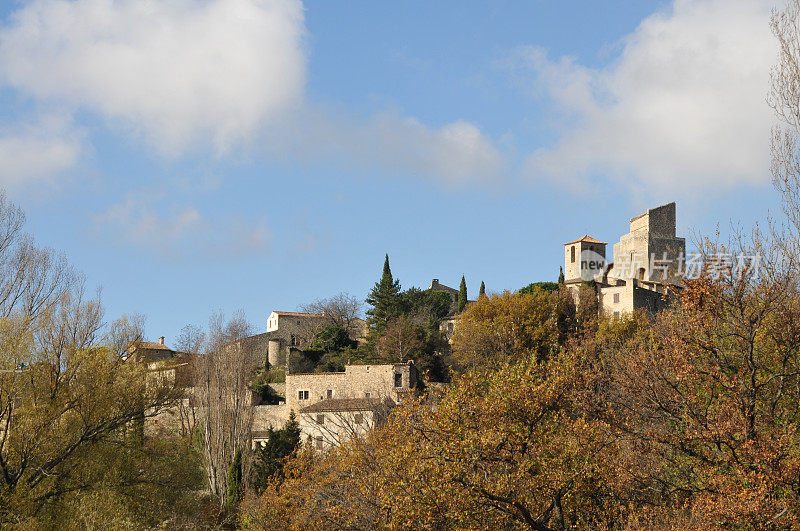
pixel 38 150
pixel 178 71
pixel 683 107
pixel 389 143
pixel 231 72
pixel 179 232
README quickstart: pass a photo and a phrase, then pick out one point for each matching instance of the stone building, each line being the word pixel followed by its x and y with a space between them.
pixel 332 406
pixel 650 251
pixel 330 422
pixel 148 351
pixel 646 271
pixel 288 331
pixel 296 330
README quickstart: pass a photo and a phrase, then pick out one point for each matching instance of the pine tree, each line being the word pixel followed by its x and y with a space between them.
pixel 561 275
pixel 384 299
pixel 482 291
pixel 462 295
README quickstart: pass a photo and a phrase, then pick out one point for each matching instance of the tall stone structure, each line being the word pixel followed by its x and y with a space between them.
pixel 651 250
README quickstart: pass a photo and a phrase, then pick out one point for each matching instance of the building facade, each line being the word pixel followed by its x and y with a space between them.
pixel 332 406
pixel 646 272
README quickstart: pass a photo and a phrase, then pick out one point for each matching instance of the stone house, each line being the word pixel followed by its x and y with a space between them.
pixel 148 351
pixel 329 422
pixel 338 405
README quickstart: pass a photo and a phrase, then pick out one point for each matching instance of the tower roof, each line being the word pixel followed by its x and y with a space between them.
pixel 585 238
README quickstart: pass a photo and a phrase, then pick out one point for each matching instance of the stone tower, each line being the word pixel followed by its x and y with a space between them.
pixel 583 256
pixel 650 251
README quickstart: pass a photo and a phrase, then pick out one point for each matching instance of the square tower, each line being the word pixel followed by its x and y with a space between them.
pixel 584 258
pixel 650 251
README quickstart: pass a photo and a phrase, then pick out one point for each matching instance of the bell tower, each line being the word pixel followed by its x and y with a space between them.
pixel 584 259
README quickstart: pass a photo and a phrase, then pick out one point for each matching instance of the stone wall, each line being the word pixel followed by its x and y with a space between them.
pixel 357 381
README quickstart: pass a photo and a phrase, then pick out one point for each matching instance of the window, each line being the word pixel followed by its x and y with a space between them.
pixel 366 395
pixel 616 298
pixel 330 393
pixel 302 395
pixel 572 252
pixel 320 419
pixel 398 379
pixel 358 418
pixel 319 442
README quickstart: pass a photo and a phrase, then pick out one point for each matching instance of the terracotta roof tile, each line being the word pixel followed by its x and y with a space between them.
pixel 585 238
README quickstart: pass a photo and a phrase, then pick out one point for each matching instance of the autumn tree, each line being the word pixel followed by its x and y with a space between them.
pixel 502 328
pixel 588 307
pixel 71 406
pixel 502 449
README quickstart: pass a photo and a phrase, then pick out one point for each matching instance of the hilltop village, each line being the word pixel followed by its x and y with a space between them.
pixel 310 366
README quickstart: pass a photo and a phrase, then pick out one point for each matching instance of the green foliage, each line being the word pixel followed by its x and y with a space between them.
pixel 424 306
pixel 271 455
pixel 462 295
pixel 260 384
pixel 546 286
pixel 301 361
pixel 384 299
pixel 331 339
pixel 234 493
pixel 482 291
pixel 561 280
pixel 335 361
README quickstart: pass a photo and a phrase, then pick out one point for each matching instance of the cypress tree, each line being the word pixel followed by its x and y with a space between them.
pixel 561 275
pixel 384 299
pixel 234 480
pixel 462 295
pixel 482 292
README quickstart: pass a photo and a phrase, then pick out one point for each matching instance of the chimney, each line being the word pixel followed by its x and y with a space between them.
pixel 161 340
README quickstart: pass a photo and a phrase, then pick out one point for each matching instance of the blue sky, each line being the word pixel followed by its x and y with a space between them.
pixel 190 156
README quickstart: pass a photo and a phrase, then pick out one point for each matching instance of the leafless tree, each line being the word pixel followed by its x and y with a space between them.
pixel 784 98
pixel 342 310
pixel 124 331
pixel 224 400
pixel 191 339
